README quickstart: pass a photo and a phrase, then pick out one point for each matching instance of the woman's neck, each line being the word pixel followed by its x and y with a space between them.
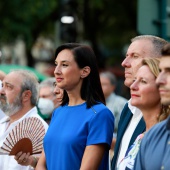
pixel 151 116
pixel 74 97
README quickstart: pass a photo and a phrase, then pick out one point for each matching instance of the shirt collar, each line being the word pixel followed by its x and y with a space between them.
pixel 4 120
pixel 7 118
pixel 135 111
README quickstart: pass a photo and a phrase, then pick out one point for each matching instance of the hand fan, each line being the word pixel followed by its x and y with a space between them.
pixel 26 136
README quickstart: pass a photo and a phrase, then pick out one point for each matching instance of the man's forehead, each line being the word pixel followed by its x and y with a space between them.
pixel 45 89
pixel 165 59
pixel 143 47
pixel 12 78
pixel 165 62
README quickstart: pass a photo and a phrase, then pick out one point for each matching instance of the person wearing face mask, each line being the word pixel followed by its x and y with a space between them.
pixel 49 99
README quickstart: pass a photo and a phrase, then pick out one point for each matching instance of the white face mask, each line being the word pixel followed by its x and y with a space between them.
pixel 46 106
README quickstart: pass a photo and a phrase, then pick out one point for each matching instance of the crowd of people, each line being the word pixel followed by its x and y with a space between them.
pixel 131 122
pixel 87 125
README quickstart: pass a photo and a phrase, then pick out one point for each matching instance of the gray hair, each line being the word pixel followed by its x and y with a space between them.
pixel 157 42
pixel 29 82
pixel 110 76
pixel 49 82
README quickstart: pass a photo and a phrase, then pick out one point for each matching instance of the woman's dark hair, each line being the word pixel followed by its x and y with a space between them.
pixel 91 89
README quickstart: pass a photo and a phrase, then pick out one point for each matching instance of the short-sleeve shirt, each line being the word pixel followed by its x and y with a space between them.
pixel 8 162
pixel 154 153
pixel 72 128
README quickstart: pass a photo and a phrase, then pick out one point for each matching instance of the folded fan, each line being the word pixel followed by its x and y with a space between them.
pixel 26 136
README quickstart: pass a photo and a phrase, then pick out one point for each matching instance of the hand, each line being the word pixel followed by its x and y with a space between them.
pixel 24 159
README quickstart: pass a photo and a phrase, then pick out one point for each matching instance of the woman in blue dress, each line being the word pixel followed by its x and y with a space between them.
pixel 81 129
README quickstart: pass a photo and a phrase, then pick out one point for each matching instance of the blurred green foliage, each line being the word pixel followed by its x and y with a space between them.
pixel 107 24
pixel 25 18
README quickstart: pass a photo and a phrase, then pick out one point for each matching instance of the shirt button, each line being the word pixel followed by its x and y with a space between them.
pixel 168 142
pixel 162 167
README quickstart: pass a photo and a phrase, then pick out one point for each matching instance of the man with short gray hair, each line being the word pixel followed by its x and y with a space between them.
pixel 18 99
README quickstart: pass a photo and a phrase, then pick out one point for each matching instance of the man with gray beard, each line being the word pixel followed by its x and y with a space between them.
pixel 18 99
pixel 10 109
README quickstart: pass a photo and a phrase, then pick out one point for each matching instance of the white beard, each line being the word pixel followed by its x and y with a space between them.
pixel 11 109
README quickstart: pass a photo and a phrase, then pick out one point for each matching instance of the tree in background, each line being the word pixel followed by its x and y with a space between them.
pixel 26 20
pixel 107 25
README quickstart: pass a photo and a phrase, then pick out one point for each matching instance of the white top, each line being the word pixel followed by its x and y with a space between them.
pixel 137 115
pixel 129 160
pixel 2 114
pixel 8 162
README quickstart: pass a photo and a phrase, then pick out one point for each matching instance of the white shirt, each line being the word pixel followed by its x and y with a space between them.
pixel 8 162
pixel 137 115
pixel 2 114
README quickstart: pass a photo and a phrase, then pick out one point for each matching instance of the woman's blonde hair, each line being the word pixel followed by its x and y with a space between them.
pixel 153 64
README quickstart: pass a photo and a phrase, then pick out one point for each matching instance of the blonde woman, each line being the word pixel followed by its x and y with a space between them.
pixel 145 96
